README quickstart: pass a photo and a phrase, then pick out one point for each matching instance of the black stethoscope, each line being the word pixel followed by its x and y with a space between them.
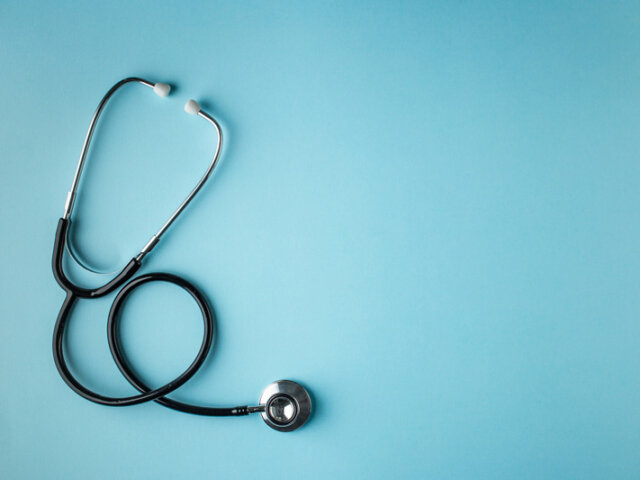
pixel 284 405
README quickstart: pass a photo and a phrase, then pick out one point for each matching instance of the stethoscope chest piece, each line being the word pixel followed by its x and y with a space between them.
pixel 287 405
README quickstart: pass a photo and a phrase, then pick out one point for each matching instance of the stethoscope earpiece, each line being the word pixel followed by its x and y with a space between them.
pixel 287 405
pixel 162 89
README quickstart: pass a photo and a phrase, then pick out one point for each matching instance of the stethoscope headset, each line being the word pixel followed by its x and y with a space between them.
pixel 284 405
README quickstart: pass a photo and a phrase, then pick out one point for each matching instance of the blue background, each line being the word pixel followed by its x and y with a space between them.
pixel 426 212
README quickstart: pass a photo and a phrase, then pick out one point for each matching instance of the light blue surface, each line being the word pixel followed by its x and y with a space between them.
pixel 426 213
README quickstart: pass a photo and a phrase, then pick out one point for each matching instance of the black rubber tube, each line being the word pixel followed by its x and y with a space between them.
pixel 58 271
pixel 146 393
pixel 120 358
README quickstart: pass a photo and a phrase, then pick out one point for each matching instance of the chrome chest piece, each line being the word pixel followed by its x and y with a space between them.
pixel 285 405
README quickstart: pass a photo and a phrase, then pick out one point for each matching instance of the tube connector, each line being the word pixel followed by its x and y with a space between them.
pixel 148 247
pixel 256 409
pixel 67 205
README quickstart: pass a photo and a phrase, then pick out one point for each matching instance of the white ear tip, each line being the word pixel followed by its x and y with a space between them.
pixel 192 107
pixel 162 89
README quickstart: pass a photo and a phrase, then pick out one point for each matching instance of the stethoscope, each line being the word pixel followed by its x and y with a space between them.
pixel 284 405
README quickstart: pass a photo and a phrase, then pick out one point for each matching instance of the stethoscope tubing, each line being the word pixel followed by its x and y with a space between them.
pixel 124 366
pixel 73 293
